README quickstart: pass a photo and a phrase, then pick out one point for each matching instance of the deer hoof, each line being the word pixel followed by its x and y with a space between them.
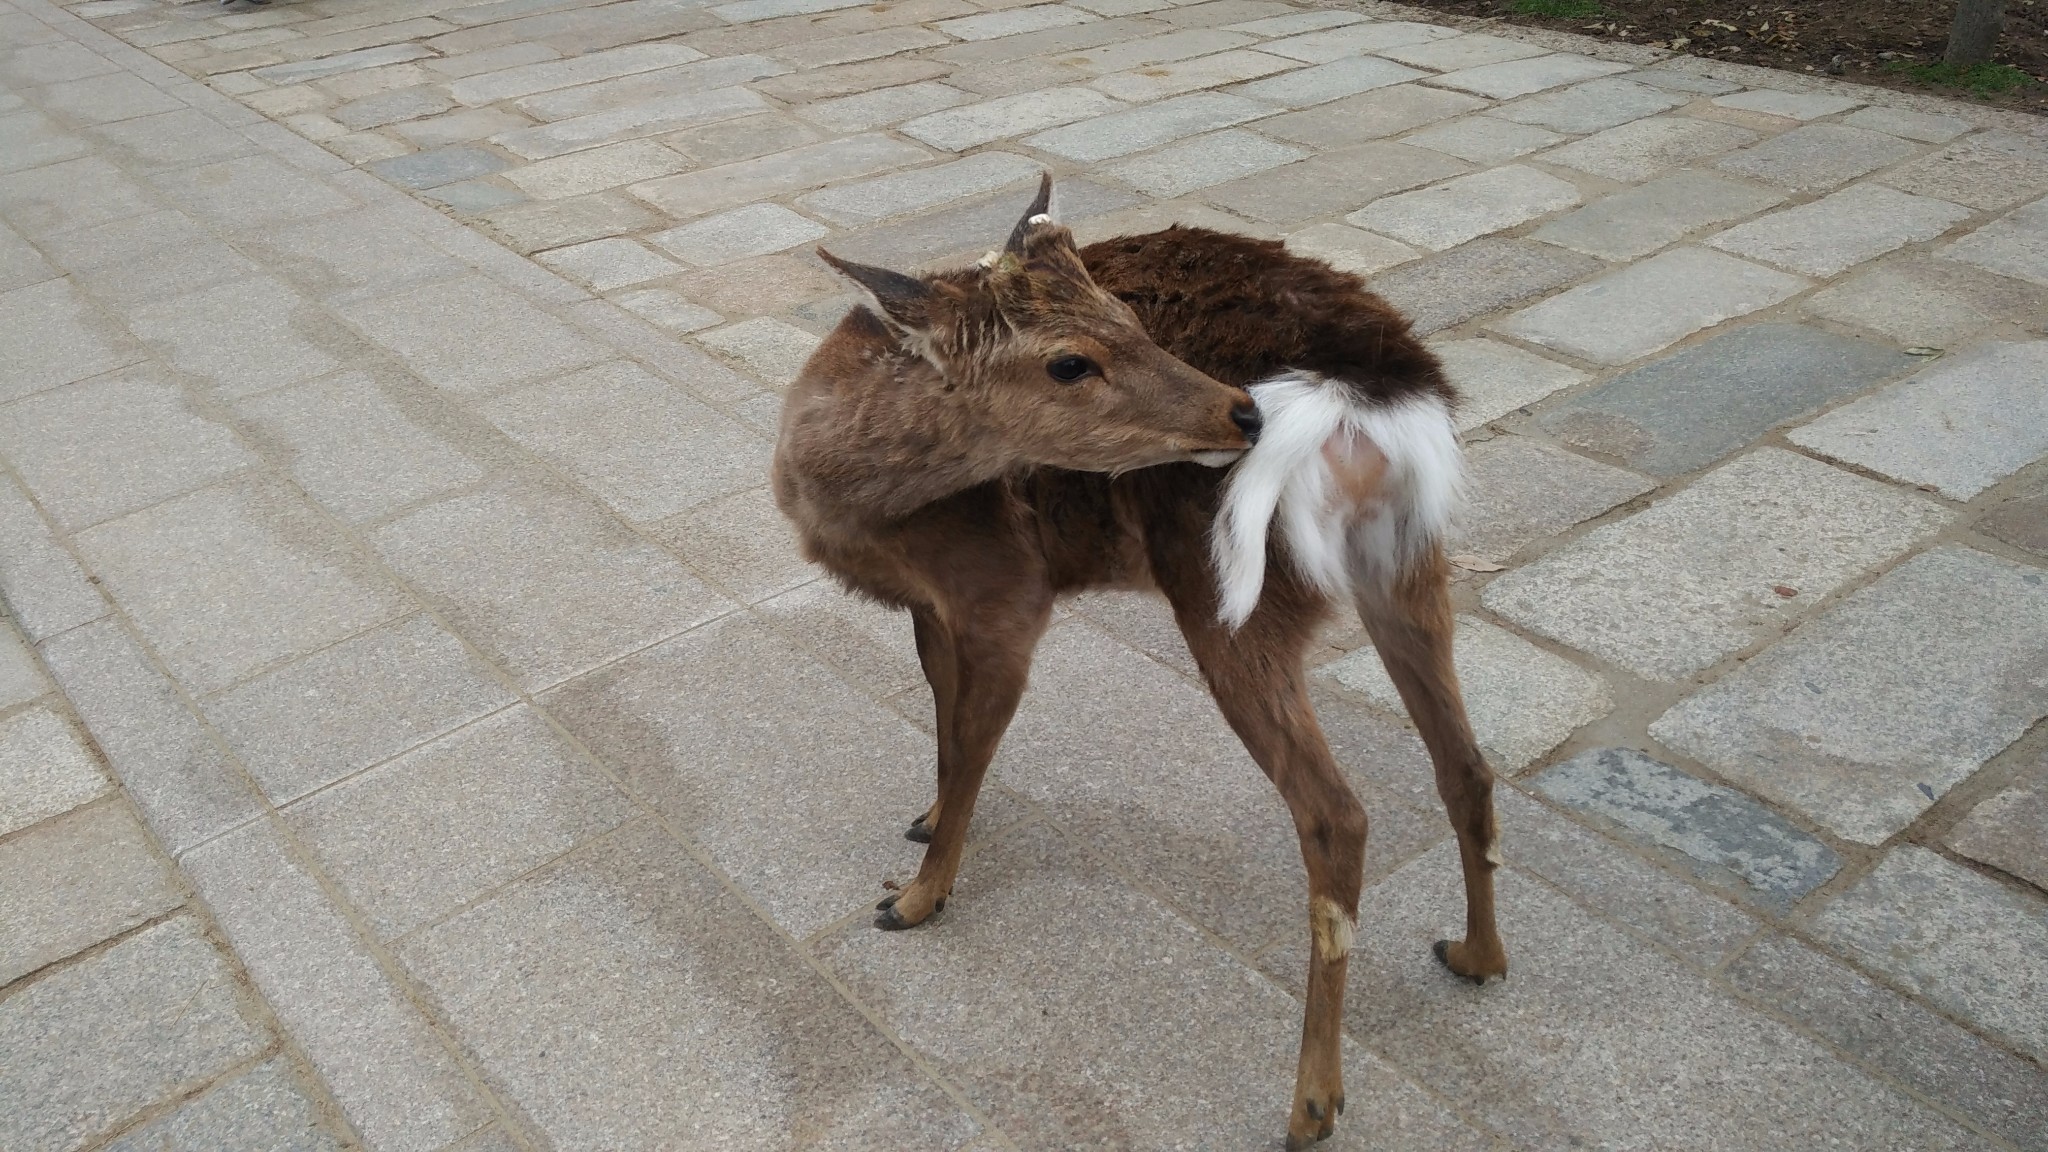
pixel 890 918
pixel 1318 1128
pixel 919 832
pixel 1461 968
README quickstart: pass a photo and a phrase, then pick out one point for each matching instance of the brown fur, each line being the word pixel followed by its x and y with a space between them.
pixel 928 461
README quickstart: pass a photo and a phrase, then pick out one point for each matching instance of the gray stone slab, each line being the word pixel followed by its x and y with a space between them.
pixel 46 768
pixel 1494 379
pixel 1087 1009
pixel 1968 943
pixel 608 264
pixel 1650 305
pixel 1638 221
pixel 262 1110
pixel 648 118
pixel 415 839
pixel 50 335
pixel 551 224
pixel 1926 127
pixel 1928 303
pixel 20 681
pixel 543 580
pixel 1830 235
pixel 87 1049
pixel 596 169
pixel 175 139
pixel 1681 585
pixel 1643 1028
pixel 1475 279
pixel 1791 105
pixel 1357 39
pixel 1203 161
pixel 644 446
pixel 301 71
pixel 1856 720
pixel 342 709
pixel 906 192
pixel 99 448
pixel 972 227
pixel 1332 183
pixel 792 170
pixel 1900 1038
pixel 1637 151
pixel 882 107
pixel 1014 21
pixel 2016 245
pixel 2009 832
pixel 771 349
pixel 20 263
pixel 1345 248
pixel 871 646
pixel 1512 78
pixel 1305 87
pixel 1459 52
pixel 754 230
pixel 105 99
pixel 691 1016
pixel 396 1084
pixel 1687 410
pixel 1723 834
pixel 187 790
pixel 66 197
pixel 742 543
pixel 527 79
pixel 1369 116
pixel 1987 170
pixel 471 335
pixel 1816 157
pixel 29 139
pixel 73 881
pixel 353 253
pixel 433 168
pixel 251 190
pixel 2021 518
pixel 1523 701
pixel 653 84
pixel 1151 779
pixel 1483 139
pixel 1960 425
pixel 1448 214
pixel 959 129
pixel 973 57
pixel 1172 79
pixel 214 335
pixel 298 584
pixel 1524 490
pixel 1590 107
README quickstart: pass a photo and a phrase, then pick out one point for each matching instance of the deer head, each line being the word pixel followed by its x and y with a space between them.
pixel 1046 368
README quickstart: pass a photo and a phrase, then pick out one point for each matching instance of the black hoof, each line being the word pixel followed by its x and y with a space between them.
pixel 1315 1110
pixel 888 901
pixel 1442 948
pixel 889 920
pixel 919 832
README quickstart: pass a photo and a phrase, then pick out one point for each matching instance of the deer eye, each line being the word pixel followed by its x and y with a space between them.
pixel 1068 369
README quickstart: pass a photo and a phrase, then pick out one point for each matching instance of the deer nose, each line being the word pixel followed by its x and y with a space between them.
pixel 1248 421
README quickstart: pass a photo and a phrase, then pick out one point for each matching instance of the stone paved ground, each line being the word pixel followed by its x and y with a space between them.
pixel 416 731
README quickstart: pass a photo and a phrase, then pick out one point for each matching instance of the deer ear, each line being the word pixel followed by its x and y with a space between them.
pixel 905 301
pixel 1040 212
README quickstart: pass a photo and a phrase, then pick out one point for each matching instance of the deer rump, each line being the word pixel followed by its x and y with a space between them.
pixel 1357 471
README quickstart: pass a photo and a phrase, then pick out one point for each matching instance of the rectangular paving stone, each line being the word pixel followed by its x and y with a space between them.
pixel 1987 170
pixel 175 139
pixel 2009 832
pixel 742 542
pixel 1523 701
pixel 1928 128
pixel 1853 720
pixel 973 227
pixel 907 192
pixel 1793 105
pixel 771 349
pixel 1203 161
pixel 1323 46
pixel 958 129
pixel 845 79
pixel 96 449
pixel 1637 221
pixel 392 107
pixel 1959 425
pixel 298 584
pixel 1161 49
pixel 1685 411
pixel 1007 49
pixel 1014 21
pixel 186 789
pixel 470 335
pixel 1172 79
pixel 1323 83
pixel 1477 278
pixel 1370 115
pixel 1459 52
pixel 1816 157
pixel 818 54
pixel 46 768
pixel 754 230
pixel 1136 129
pixel 527 79
pixel 1650 305
pixel 105 99
pixel 1966 942
pixel 654 84
pixel 1929 303
pixel 1494 379
pixel 29 139
pixel 73 881
pixel 1642 149
pixel 767 177
pixel 1679 586
pixel 647 118
pixel 1724 835
pixel 395 1083
pixel 213 335
pixel 1295 23
pixel 1591 107
pixel 1832 234
pixel 251 190
pixel 75 194
pixel 20 681
pixel 2016 245
pixel 596 169
pixel 1899 1037
pixel 1511 78
pixel 882 106
pixel 1333 182
pixel 411 841
pixel 607 264
pixel 1483 139
pixel 1455 211
pixel 1641 1021
pixel 298 72
pixel 51 335
pixel 20 263
pixel 542 580
pixel 86 1050
pixel 1347 249
pixel 354 253
pixel 678 974
pixel 1090 1013
pixel 1524 490
pixel 262 1110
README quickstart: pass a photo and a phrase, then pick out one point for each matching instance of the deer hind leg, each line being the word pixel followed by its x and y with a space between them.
pixel 935 653
pixel 991 649
pixel 1256 677
pixel 1409 617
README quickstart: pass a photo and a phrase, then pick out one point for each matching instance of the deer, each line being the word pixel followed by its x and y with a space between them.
pixel 1248 432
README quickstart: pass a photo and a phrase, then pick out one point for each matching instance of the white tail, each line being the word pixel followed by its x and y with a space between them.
pixel 1334 539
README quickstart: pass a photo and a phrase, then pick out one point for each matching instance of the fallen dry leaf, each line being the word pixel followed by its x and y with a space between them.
pixel 1785 590
pixel 1475 564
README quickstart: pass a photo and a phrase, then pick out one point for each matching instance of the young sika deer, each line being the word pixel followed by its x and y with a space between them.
pixel 987 440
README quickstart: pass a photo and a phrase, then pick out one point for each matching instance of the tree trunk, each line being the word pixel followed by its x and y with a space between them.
pixel 1975 32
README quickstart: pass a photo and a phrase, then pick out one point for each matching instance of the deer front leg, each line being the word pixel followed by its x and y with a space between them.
pixel 935 654
pixel 991 662
pixel 1410 623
